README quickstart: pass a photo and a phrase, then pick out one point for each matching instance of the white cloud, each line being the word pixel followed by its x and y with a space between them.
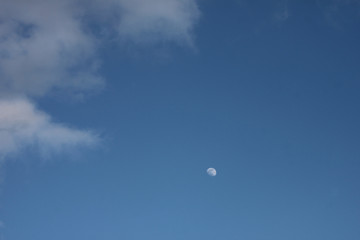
pixel 22 125
pixel 42 47
pixel 46 46
pixel 144 20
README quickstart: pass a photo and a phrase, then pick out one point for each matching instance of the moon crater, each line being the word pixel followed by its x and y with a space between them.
pixel 211 172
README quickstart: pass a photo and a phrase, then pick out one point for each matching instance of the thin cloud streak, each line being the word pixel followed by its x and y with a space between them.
pixel 158 20
pixel 23 125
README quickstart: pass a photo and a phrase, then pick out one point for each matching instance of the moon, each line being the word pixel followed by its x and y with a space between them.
pixel 211 172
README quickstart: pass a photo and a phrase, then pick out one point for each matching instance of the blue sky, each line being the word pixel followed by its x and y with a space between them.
pixel 111 112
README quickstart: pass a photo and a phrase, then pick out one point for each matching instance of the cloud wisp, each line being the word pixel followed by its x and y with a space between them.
pixel 45 47
pixel 157 20
pixel 22 125
pixel 339 13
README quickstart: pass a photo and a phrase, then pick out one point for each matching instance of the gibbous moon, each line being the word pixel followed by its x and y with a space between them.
pixel 211 172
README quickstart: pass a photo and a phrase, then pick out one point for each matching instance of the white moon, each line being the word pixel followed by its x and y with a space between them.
pixel 211 172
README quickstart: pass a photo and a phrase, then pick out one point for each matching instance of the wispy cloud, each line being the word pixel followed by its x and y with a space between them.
pixel 339 13
pixel 282 12
pixel 157 20
pixel 45 47
pixel 22 125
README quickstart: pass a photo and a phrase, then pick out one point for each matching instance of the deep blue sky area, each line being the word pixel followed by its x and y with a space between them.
pixel 268 95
